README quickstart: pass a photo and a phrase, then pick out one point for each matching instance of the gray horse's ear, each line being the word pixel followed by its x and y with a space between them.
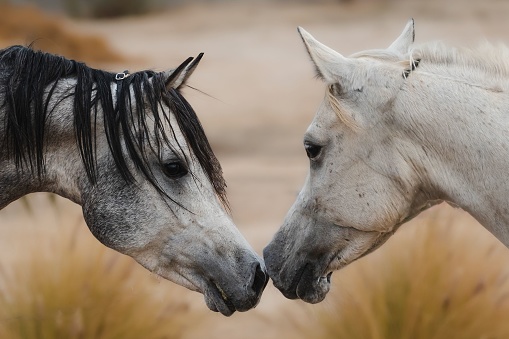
pixel 402 44
pixel 328 63
pixel 178 77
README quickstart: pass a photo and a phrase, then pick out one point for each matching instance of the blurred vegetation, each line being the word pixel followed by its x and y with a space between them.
pixel 99 8
pixel 107 9
pixel 27 24
pixel 119 8
pixel 447 282
pixel 71 286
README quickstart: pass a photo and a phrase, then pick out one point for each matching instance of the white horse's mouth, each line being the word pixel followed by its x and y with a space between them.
pixel 326 278
pixel 310 277
pixel 313 291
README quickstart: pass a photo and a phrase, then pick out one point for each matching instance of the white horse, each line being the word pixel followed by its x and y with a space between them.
pixel 399 130
pixel 131 151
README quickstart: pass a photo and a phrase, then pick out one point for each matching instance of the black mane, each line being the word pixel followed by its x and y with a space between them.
pixel 27 74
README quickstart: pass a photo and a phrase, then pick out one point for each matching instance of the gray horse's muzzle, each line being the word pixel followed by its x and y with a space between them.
pixel 221 296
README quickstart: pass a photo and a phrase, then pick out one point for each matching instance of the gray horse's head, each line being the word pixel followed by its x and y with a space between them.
pixel 135 157
pixel 359 187
pixel 171 217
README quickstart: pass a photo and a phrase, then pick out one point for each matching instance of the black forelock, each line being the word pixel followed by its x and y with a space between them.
pixel 28 83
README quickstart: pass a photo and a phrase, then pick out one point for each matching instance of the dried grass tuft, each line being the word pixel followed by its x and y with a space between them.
pixel 438 279
pixel 71 286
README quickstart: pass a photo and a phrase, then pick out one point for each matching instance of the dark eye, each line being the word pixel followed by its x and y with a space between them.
pixel 312 150
pixel 175 169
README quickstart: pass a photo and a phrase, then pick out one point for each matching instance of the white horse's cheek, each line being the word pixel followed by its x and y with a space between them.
pixel 358 247
pixel 373 215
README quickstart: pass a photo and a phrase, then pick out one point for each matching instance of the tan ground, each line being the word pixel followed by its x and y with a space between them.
pixel 256 67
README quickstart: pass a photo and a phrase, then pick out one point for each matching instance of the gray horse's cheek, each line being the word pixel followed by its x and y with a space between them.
pixel 107 225
pixel 110 217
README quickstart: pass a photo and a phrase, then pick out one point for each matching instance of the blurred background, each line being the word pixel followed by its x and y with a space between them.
pixel 441 276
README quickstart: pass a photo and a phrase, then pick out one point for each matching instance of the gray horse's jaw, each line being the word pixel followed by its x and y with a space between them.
pixel 217 300
pixel 220 298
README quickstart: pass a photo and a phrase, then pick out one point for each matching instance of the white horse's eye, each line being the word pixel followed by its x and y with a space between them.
pixel 175 169
pixel 312 150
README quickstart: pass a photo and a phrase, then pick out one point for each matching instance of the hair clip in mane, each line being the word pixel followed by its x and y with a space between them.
pixel 122 75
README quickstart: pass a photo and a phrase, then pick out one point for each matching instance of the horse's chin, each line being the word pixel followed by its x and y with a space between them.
pixel 312 287
pixel 307 285
pixel 215 299
pixel 316 291
pixel 220 295
pixel 218 301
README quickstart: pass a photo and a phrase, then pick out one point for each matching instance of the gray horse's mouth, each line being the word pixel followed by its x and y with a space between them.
pixel 217 300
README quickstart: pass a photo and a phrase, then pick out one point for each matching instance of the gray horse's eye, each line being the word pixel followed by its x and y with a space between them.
pixel 175 169
pixel 312 150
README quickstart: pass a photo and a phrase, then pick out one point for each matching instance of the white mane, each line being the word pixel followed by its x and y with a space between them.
pixel 488 58
pixel 485 66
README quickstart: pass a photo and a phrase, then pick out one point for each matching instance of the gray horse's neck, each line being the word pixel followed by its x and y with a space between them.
pixel 13 186
pixel 461 146
pixel 63 166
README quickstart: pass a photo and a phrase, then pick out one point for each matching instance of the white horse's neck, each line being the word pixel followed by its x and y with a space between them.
pixel 459 134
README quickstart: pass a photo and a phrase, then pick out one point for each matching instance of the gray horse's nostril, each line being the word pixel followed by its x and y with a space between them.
pixel 261 278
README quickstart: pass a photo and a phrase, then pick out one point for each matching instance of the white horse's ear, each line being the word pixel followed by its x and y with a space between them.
pixel 177 77
pixel 328 63
pixel 402 44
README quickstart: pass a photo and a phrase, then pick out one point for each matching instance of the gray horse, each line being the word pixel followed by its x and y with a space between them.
pixel 399 130
pixel 131 151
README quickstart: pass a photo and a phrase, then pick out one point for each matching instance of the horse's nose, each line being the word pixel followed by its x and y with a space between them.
pixel 260 279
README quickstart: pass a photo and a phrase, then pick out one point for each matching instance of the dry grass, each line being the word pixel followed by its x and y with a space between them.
pixel 438 279
pixel 71 286
pixel 52 33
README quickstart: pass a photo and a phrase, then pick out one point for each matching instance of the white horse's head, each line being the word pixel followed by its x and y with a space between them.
pixel 359 188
